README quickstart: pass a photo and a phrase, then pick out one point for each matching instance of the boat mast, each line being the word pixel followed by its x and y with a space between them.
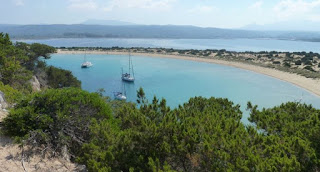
pixel 129 62
pixel 124 90
pixel 132 68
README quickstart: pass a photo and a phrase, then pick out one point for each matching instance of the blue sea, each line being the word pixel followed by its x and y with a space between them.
pixel 228 44
pixel 178 80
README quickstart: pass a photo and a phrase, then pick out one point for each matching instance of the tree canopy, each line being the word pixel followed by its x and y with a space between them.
pixel 19 61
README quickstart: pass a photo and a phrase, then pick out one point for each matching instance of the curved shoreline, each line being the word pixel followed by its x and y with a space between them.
pixel 309 84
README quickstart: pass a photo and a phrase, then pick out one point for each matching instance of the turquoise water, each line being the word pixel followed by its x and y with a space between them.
pixel 228 44
pixel 178 80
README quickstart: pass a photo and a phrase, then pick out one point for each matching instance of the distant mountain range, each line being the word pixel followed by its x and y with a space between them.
pixel 107 22
pixel 122 30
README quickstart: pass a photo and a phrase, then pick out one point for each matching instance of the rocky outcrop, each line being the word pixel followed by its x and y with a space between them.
pixel 35 84
pixel 3 114
pixel 3 103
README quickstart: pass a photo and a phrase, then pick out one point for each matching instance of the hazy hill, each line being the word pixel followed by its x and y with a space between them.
pixel 129 31
pixel 146 31
pixel 286 26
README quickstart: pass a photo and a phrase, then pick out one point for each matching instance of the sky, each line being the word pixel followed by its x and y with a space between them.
pixel 204 13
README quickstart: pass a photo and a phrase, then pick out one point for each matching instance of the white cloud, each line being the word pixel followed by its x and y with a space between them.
pixel 142 4
pixel 293 9
pixel 314 18
pixel 202 9
pixel 120 4
pixel 83 5
pixel 18 2
pixel 256 5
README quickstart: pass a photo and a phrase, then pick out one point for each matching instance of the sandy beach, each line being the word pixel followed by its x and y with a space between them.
pixel 312 85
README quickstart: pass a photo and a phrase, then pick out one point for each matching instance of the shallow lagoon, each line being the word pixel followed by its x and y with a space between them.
pixel 178 80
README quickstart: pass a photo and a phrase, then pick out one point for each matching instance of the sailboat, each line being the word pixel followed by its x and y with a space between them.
pixel 121 95
pixel 129 77
pixel 86 64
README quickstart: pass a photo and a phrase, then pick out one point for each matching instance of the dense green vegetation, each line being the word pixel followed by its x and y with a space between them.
pixel 203 134
pixel 12 64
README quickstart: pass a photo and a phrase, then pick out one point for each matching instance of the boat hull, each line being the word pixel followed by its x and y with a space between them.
pixel 128 79
pixel 119 96
pixel 86 65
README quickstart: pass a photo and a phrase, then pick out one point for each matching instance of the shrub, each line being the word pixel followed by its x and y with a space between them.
pixel 308 62
pixel 41 65
pixel 298 62
pixel 297 126
pixel 183 138
pixel 59 78
pixel 309 68
pixel 286 64
pixel 56 118
pixel 42 50
pixel 11 95
pixel 276 62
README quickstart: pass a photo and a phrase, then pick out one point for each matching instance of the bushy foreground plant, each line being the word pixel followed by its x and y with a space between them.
pixel 56 118
pixel 296 126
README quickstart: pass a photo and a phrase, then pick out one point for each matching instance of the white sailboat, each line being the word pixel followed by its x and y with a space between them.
pixel 121 95
pixel 86 64
pixel 129 77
